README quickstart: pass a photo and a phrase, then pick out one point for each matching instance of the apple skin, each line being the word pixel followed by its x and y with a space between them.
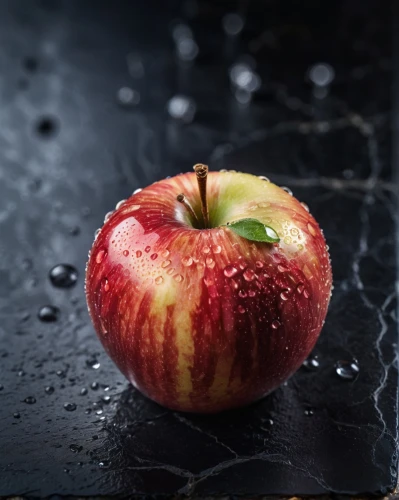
pixel 203 320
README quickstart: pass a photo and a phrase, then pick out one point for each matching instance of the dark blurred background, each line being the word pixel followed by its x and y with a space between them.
pixel 99 98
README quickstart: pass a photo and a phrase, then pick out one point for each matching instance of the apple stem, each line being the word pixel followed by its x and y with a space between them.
pixel 201 172
pixel 184 201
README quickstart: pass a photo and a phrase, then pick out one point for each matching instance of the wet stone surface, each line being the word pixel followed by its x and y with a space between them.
pixel 70 423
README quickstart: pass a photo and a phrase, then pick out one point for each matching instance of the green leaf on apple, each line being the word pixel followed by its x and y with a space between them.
pixel 254 230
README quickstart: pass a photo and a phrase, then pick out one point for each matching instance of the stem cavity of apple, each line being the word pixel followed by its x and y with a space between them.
pixel 201 171
pixel 184 201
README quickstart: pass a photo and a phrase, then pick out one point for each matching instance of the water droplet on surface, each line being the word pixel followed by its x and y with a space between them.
pixel 165 254
pixel 178 278
pixel 210 262
pixel 311 229
pixel 234 284
pixel 1 387
pixel 83 391
pixel 93 363
pixel 94 386
pixel 137 190
pixel 108 216
pixel 30 400
pixel 139 253
pixel 311 363
pixel 242 294
pixel 106 399
pixel 187 261
pixel 249 275
pixel 119 204
pixel 217 249
pixel 48 314
pixel 305 206
pixel 16 415
pixel 284 295
pixel 105 284
pixel 147 249
pixel 154 256
pixel 158 280
pixel 241 309
pixel 287 190
pixel 347 370
pixel 69 406
pixel 125 253
pixel 21 373
pixel 232 24
pixel 230 271
pixel 288 240
pixel 127 97
pixel 282 269
pixel 100 256
pixel 276 324
pixel 263 178
pixel 206 250
pixel 49 389
pixel 182 108
pixel 63 276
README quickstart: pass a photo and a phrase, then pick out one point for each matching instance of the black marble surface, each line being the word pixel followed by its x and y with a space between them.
pixel 69 153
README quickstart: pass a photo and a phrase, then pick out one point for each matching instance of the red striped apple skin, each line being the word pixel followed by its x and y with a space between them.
pixel 203 320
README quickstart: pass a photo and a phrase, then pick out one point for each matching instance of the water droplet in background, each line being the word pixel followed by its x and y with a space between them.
pixel 244 78
pixel 135 65
pixel 232 24
pixel 127 97
pixel 63 276
pixel 181 108
pixel 321 74
pixel 48 314
pixel 347 370
pixel 312 363
pixel 70 406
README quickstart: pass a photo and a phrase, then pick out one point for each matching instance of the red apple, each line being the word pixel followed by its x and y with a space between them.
pixel 203 319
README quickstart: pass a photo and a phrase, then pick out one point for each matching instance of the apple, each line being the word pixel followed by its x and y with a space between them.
pixel 197 315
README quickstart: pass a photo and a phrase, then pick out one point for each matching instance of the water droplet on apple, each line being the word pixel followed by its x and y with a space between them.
pixel 187 261
pixel 137 191
pixel 249 275
pixel 119 204
pixel 300 287
pixel 165 263
pixel 294 231
pixel 105 284
pixel 259 264
pixel 147 249
pixel 154 256
pixel 230 271
pixel 158 280
pixel 48 314
pixel 241 309
pixel 284 295
pixel 282 268
pixel 165 254
pixel 305 206
pixel 208 281
pixel 263 178
pixel 125 253
pixel 139 253
pixel 63 276
pixel 234 284
pixel 311 229
pixel 276 324
pixel 170 271
pixel 287 190
pixel 306 293
pixel 210 262
pixel 311 363
pixel 70 406
pixel 348 370
pixel 100 256
pixel 108 215
pixel 251 293
pixel 96 233
pixel 300 247
pixel 178 278
pixel 206 250
pixel 133 208
pixel 288 240
pixel 242 294
pixel 217 249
